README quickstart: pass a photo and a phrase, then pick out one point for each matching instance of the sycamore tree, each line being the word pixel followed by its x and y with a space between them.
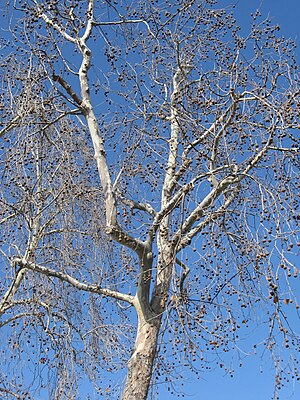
pixel 149 196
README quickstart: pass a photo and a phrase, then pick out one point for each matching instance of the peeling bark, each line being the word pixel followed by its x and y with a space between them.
pixel 140 365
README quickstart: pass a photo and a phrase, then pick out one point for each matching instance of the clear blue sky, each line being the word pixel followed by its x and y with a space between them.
pixel 249 383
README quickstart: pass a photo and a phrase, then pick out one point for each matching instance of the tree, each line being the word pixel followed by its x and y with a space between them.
pixel 180 230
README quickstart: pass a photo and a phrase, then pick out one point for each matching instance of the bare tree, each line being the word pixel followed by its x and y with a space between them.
pixel 149 190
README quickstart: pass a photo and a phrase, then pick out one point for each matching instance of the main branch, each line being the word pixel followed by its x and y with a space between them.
pixel 23 265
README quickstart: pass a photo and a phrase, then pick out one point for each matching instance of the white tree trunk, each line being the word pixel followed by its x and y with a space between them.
pixel 140 365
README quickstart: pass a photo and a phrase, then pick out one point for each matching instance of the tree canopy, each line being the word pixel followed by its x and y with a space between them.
pixel 149 195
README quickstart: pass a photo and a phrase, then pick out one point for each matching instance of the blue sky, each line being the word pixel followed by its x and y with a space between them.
pixel 254 381
pixel 249 382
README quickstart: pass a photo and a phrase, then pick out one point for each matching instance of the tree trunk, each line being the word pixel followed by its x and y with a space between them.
pixel 141 362
pixel 140 365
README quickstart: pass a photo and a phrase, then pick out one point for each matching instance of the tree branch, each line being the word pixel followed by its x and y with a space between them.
pixel 54 25
pixel 134 205
pixel 15 317
pixel 185 273
pixel 11 393
pixel 185 240
pixel 23 264
pixel 12 124
pixel 89 25
pixel 185 155
pixel 206 202
pixel 12 290
pixel 124 21
pixel 67 88
pixel 261 153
